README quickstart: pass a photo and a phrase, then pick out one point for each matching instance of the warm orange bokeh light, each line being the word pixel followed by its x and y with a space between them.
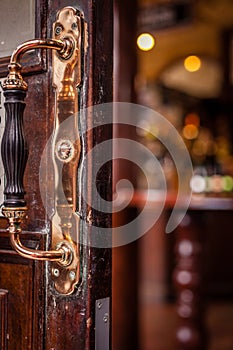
pixel 192 63
pixel 190 132
pixel 192 118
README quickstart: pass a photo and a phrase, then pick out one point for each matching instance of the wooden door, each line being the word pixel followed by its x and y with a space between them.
pixel 34 315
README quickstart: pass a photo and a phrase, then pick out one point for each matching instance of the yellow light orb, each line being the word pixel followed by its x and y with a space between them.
pixel 145 42
pixel 192 63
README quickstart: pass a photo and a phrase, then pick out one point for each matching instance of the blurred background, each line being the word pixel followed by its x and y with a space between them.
pixel 175 291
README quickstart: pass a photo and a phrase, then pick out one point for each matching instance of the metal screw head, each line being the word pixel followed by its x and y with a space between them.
pixel 72 275
pixel 74 26
pixel 56 272
pixel 105 318
pixel 58 29
pixel 99 305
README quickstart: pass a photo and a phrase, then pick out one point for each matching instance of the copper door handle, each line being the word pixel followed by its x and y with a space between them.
pixel 67 50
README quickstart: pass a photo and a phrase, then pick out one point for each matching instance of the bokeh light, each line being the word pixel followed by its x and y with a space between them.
pixel 145 41
pixel 192 63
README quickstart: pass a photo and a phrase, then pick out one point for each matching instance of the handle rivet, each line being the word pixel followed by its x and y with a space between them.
pixel 105 318
pixel 58 30
pixel 72 275
pixel 56 272
pixel 74 26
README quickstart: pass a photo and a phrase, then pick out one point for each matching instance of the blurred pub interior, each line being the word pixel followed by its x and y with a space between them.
pixel 175 291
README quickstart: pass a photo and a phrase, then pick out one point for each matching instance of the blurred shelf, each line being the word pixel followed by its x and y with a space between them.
pixel 153 198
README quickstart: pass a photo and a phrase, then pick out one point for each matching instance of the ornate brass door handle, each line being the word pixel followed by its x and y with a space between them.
pixel 67 46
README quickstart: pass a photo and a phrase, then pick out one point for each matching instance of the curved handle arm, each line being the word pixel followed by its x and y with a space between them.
pixel 14 79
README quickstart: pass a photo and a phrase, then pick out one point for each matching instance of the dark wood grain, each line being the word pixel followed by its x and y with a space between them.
pixel 17 277
pixel 24 281
pixel 20 328
pixel 3 318
pixel 125 258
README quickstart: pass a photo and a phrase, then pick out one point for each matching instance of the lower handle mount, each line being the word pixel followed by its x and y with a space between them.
pixel 63 255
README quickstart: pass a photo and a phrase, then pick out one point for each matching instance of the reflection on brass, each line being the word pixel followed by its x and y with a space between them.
pixel 67 75
pixel 14 215
pixel 14 79
pixel 63 255
pixel 67 45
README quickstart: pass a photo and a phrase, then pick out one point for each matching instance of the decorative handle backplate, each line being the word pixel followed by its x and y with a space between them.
pixel 67 46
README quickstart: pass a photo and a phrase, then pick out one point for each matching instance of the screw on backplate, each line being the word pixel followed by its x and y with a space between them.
pixel 105 318
pixel 74 26
pixel 58 30
pixel 56 272
pixel 99 305
pixel 72 275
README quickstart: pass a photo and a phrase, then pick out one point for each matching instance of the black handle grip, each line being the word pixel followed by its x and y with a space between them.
pixel 14 149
